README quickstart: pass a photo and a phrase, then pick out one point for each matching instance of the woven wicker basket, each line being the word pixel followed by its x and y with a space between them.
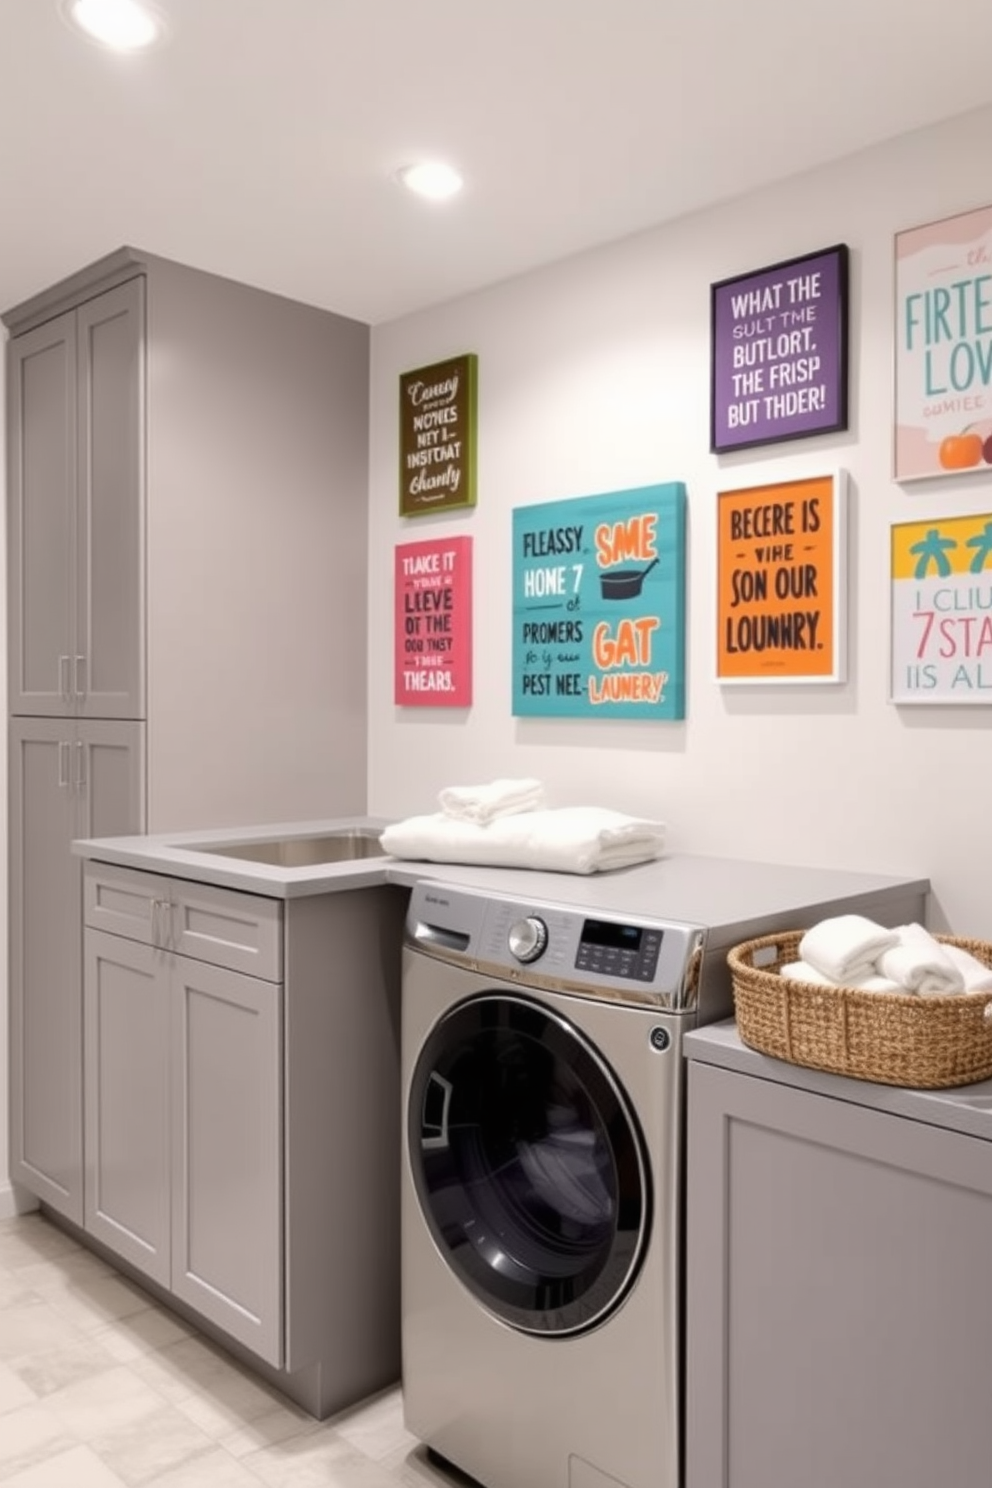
pixel 894 1038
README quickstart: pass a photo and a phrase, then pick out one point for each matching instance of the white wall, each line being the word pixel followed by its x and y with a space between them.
pixel 593 376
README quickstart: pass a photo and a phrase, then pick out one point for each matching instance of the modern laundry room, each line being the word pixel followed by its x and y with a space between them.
pixel 498 632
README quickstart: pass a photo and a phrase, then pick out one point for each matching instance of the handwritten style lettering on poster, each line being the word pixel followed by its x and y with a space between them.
pixel 438 412
pixel 778 365
pixel 942 610
pixel 599 606
pixel 944 348
pixel 433 644
pixel 780 582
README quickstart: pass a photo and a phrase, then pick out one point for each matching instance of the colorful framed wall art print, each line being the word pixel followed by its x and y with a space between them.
pixel 943 362
pixel 599 606
pixel 942 610
pixel 781 582
pixel 778 354
pixel 438 415
pixel 433 624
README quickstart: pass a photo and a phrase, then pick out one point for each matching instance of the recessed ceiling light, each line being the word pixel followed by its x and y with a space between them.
pixel 432 179
pixel 122 24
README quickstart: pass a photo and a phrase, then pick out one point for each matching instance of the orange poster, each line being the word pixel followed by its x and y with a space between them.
pixel 780 590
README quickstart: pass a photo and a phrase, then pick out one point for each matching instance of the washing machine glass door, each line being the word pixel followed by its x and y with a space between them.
pixel 528 1163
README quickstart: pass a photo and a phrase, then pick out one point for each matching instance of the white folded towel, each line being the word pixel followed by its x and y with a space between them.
pixel 802 971
pixel 919 963
pixel 569 839
pixel 977 976
pixel 846 946
pixel 484 803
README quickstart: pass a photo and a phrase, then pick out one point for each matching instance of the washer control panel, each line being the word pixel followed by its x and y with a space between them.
pixel 610 948
pixel 566 943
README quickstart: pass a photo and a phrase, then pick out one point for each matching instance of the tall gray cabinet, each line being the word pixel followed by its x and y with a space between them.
pixel 186 495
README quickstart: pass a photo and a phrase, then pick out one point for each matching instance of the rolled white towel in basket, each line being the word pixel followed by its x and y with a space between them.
pixel 919 963
pixel 977 976
pixel 482 804
pixel 802 971
pixel 846 946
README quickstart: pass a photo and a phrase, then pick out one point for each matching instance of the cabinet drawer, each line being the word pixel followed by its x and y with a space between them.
pixel 227 928
pixel 242 932
pixel 125 901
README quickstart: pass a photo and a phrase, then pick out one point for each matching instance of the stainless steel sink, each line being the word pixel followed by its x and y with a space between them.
pixel 300 852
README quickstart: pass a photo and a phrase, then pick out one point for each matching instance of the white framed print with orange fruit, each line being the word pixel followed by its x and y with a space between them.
pixel 943 362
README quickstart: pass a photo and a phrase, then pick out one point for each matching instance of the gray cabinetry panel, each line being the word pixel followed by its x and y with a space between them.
pixel 126 1043
pixel 124 902
pixel 184 1094
pixel 227 1252
pixel 108 654
pixel 76 643
pixel 839 1331
pixel 41 494
pixel 68 779
pixel 242 932
pixel 46 1130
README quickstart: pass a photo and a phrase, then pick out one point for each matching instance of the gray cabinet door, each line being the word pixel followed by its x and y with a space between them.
pixel 46 1129
pixel 126 1076
pixel 839 1325
pixel 76 502
pixel 41 432
pixel 108 654
pixel 67 779
pixel 227 1245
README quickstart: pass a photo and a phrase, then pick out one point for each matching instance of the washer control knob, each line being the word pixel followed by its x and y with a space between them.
pixel 528 939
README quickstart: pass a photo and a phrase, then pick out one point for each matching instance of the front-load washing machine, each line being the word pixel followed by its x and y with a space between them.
pixel 542 1181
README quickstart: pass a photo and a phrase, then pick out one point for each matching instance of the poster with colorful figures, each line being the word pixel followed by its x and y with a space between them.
pixel 433 624
pixel 599 606
pixel 942 610
pixel 943 366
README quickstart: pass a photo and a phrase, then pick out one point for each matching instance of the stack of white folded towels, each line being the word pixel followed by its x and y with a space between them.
pixel 852 951
pixel 507 824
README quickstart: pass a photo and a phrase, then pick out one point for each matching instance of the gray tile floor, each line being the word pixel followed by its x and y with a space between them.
pixel 102 1388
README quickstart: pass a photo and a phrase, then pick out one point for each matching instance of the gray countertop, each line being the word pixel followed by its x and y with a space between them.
pixel 184 855
pixel 966 1108
pixel 721 894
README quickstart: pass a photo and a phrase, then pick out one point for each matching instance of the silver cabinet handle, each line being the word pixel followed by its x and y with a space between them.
pixel 64 692
pixel 79 676
pixel 63 763
pixel 162 924
pixel 81 781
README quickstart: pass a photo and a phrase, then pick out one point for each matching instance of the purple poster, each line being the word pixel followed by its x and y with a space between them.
pixel 779 352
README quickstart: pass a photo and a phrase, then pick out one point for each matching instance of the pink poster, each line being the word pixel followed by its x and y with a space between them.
pixel 434 624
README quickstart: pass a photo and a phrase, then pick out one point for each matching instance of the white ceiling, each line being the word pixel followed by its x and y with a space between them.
pixel 259 141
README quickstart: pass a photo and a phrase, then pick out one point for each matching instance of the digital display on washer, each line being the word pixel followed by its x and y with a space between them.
pixel 615 949
pixel 607 933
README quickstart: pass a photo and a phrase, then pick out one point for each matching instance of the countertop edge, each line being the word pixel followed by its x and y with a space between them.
pixel 179 855
pixel 965 1108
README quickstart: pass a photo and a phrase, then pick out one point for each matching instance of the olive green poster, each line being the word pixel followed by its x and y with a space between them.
pixel 437 436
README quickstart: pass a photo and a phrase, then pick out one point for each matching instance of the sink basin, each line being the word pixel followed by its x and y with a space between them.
pixel 301 852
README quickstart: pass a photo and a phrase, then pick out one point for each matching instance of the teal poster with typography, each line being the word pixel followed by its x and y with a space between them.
pixel 599 606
